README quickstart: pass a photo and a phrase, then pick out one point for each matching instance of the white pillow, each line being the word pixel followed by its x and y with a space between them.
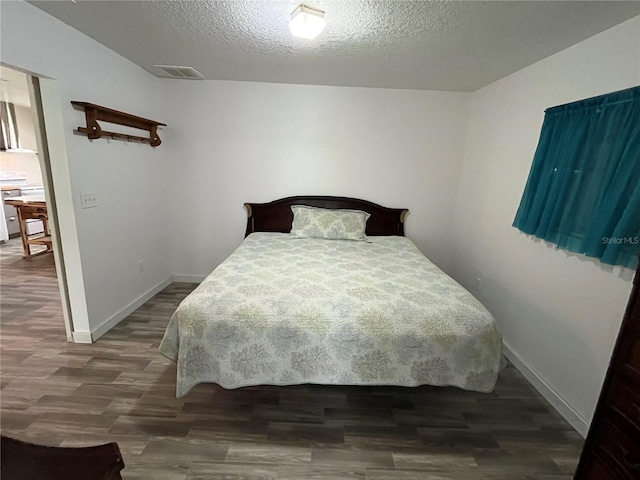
pixel 341 224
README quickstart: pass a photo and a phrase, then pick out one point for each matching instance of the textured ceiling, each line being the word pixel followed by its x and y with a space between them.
pixel 430 45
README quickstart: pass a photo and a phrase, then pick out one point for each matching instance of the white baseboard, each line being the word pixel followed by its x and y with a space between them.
pixel 128 310
pixel 178 278
pixel 81 337
pixel 579 423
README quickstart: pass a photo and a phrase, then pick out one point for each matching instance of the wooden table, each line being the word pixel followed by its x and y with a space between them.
pixel 32 207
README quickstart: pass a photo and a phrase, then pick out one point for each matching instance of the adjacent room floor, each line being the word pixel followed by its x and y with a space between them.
pixel 121 389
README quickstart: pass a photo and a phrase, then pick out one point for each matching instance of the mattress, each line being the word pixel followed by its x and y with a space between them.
pixel 284 311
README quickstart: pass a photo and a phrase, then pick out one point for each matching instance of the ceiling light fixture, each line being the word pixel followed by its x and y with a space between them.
pixel 306 22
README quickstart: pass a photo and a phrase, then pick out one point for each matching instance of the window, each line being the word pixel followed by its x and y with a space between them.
pixel 583 190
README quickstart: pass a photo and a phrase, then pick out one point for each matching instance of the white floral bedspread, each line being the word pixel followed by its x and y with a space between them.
pixel 283 311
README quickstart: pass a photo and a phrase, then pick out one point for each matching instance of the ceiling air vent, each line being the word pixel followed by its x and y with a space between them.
pixel 173 71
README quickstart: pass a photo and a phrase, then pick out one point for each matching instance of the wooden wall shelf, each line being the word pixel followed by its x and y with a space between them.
pixel 95 113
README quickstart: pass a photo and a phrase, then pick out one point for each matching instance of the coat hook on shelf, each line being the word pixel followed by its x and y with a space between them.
pixel 95 113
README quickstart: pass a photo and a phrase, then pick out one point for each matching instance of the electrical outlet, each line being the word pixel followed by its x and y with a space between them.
pixel 140 266
pixel 88 200
pixel 478 284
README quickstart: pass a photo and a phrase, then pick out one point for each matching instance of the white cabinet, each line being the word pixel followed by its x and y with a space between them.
pixel 10 213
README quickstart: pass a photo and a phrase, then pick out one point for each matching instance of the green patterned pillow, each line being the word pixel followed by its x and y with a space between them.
pixel 313 222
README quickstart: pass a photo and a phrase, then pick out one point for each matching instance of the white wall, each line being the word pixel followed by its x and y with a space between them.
pixel 236 142
pixel 559 313
pixel 26 130
pixel 129 180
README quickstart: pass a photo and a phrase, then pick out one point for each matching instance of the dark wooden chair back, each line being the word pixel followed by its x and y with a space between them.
pixel 26 461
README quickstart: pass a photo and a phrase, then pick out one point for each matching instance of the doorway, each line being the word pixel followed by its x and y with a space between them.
pixel 33 275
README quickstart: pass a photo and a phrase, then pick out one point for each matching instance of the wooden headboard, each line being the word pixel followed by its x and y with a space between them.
pixel 277 216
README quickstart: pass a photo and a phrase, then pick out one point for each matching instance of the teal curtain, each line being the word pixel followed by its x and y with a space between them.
pixel 583 191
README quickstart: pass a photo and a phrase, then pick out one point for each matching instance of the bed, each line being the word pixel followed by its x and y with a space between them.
pixel 284 310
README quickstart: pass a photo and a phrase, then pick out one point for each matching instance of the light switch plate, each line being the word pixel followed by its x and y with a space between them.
pixel 88 200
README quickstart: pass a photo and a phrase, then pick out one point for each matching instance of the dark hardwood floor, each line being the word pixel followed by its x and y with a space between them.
pixel 121 389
